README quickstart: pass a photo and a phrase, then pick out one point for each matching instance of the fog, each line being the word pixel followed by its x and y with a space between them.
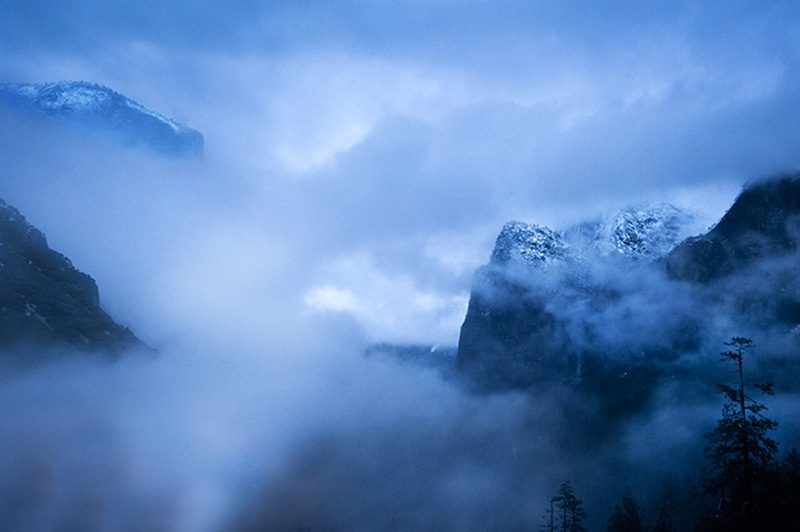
pixel 360 161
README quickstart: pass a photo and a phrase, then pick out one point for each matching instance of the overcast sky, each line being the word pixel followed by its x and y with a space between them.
pixel 362 155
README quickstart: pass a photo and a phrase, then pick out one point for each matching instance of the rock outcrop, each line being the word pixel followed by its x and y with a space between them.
pixel 44 301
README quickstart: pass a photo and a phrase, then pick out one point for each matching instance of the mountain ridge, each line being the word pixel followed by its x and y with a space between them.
pixel 100 110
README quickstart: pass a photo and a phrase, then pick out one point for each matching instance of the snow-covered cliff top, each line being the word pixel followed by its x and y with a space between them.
pixel 532 244
pixel 639 233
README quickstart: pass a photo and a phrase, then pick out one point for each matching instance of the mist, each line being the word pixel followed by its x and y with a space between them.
pixel 360 161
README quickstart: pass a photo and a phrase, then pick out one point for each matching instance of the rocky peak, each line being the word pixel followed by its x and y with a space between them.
pixel 650 232
pixel 14 227
pixel 635 232
pixel 519 242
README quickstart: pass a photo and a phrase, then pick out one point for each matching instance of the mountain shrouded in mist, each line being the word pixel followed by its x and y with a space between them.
pixel 44 301
pixel 611 305
pixel 98 109
pixel 360 159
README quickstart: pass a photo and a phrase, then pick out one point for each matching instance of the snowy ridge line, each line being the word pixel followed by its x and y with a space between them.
pixel 65 95
pixel 645 233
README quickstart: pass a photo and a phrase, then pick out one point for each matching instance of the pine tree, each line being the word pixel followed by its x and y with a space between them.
pixel 572 512
pixel 627 518
pixel 566 513
pixel 550 521
pixel 739 449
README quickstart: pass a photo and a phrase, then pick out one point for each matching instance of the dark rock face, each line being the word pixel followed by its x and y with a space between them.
pixel 44 300
pixel 763 222
pixel 509 339
pixel 614 315
pixel 98 109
